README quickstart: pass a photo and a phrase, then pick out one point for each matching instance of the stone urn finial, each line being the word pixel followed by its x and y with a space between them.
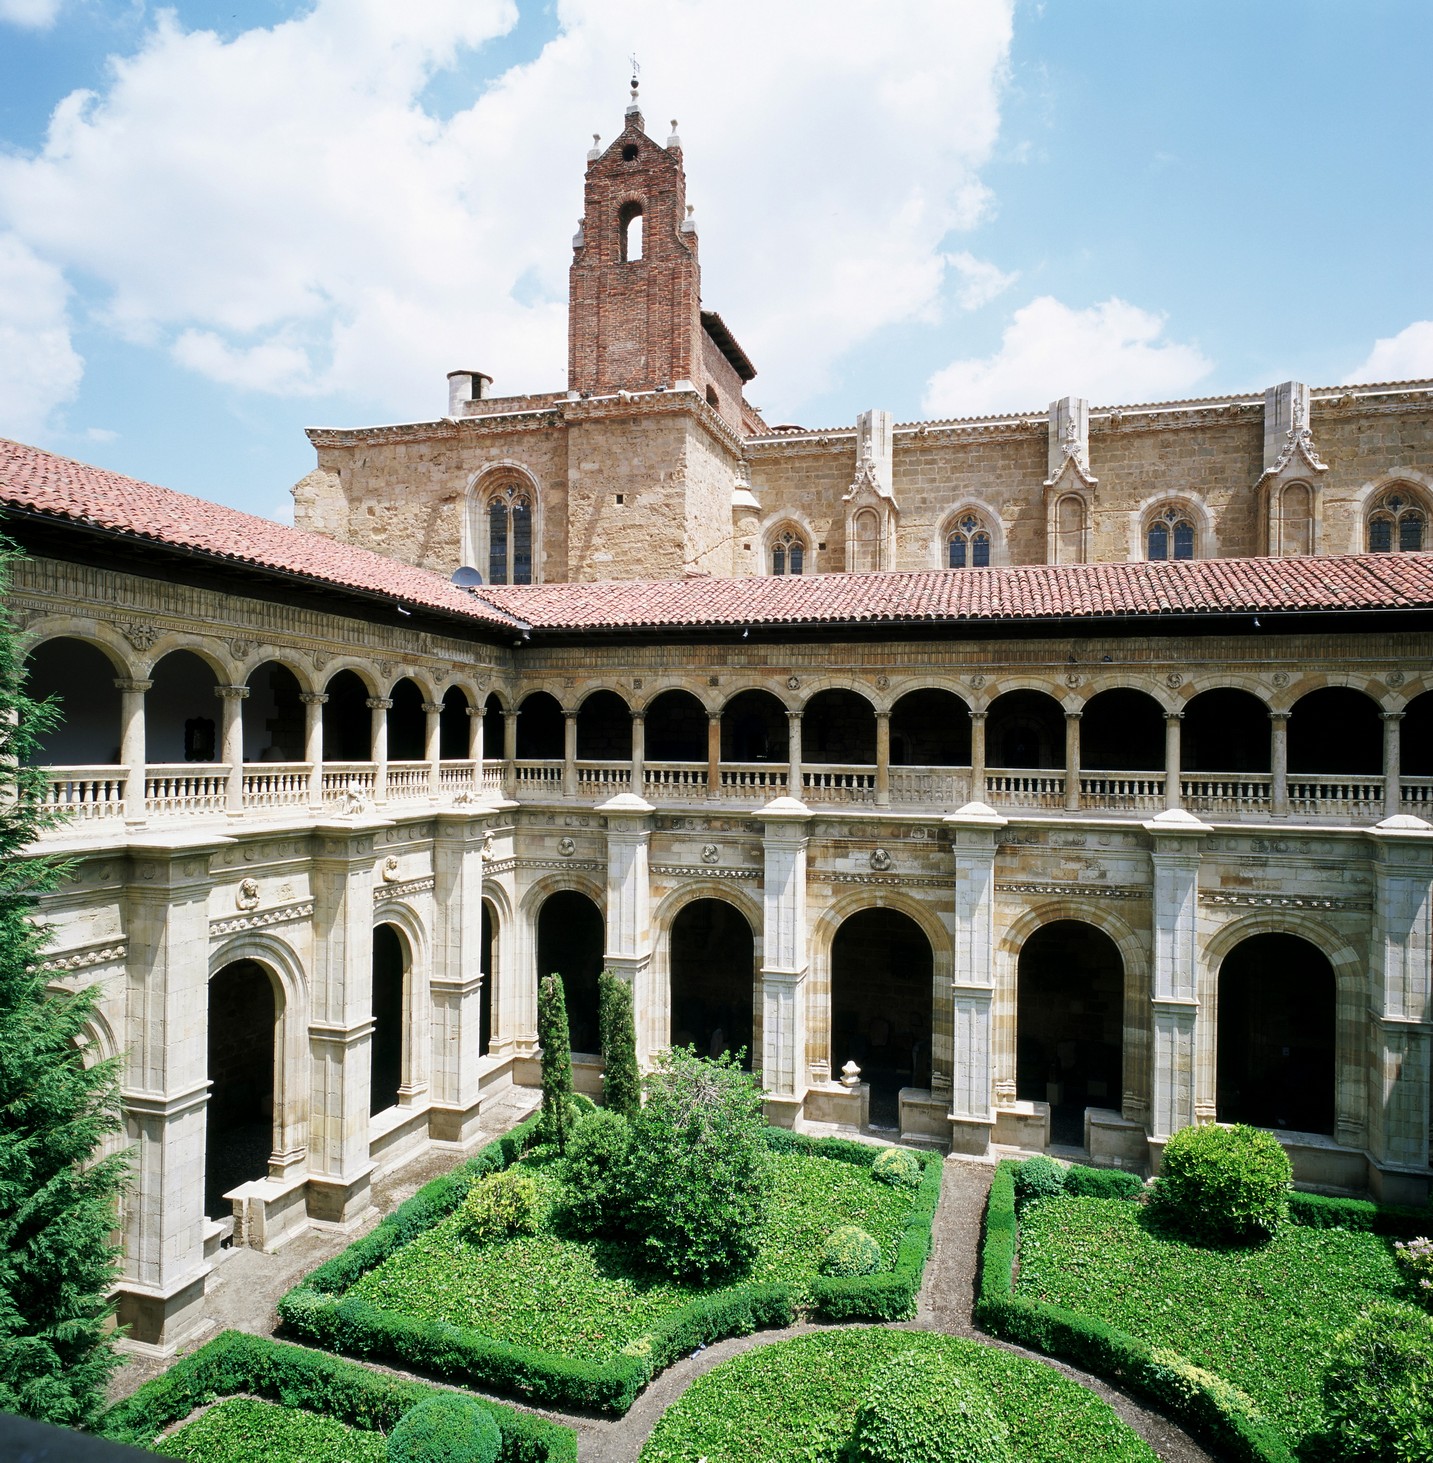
pixel 850 1075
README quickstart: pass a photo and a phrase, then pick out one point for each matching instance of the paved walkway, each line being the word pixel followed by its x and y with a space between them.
pixel 249 1285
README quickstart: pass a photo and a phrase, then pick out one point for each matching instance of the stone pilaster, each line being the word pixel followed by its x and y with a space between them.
pixel 629 922
pixel 784 1054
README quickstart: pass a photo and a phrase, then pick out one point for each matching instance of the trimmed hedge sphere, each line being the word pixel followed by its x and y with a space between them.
pixel 1221 1185
pixel 498 1205
pixel 1038 1178
pixel 446 1429
pixel 1378 1390
pixel 918 1409
pixel 850 1251
pixel 898 1167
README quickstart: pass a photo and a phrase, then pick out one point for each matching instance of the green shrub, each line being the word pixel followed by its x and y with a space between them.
pixel 1322 1211
pixel 1102 1183
pixel 593 1174
pixel 696 1167
pixel 1038 1178
pixel 552 1036
pixel 621 1081
pixel 1221 1185
pixel 898 1167
pixel 850 1251
pixel 1378 1389
pixel 918 1409
pixel 498 1205
pixel 446 1429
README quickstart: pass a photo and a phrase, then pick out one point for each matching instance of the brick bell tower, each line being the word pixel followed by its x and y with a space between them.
pixel 634 317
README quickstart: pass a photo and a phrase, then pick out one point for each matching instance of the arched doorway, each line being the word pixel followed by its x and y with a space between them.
pixel 82 679
pixel 881 972
pixel 713 970
pixel 487 963
pixel 571 938
pixel 1277 1011
pixel 1069 1024
pixel 239 1117
pixel 390 966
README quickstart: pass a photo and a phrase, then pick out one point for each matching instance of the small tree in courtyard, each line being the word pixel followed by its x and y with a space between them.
pixel 57 1198
pixel 556 1046
pixel 621 1082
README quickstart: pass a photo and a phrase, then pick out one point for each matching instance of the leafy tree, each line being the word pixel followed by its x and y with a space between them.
pixel 57 1198
pixel 696 1171
pixel 552 1036
pixel 621 1082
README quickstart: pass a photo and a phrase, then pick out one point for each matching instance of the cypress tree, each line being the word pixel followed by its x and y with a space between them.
pixel 552 1036
pixel 621 1082
pixel 57 1196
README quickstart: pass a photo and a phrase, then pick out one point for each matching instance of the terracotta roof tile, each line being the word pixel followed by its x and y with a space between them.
pixel 59 487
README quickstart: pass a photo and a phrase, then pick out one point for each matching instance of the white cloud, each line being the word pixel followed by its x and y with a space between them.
pixel 1407 356
pixel 980 281
pixel 30 14
pixel 281 214
pixel 1112 351
pixel 39 369
pixel 282 512
pixel 100 434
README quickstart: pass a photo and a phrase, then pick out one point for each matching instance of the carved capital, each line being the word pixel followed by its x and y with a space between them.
pixel 314 698
pixel 379 703
pixel 432 708
pixel 232 693
pixel 131 686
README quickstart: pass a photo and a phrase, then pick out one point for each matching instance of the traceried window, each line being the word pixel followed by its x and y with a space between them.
pixel 1170 535
pixel 967 545
pixel 788 553
pixel 510 535
pixel 1397 525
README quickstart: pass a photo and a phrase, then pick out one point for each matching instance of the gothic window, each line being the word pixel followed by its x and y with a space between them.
pixel 629 228
pixel 967 545
pixel 1296 520
pixel 788 553
pixel 1170 535
pixel 865 540
pixel 1396 525
pixel 1070 530
pixel 510 535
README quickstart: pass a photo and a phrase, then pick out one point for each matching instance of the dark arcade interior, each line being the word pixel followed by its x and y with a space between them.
pixel 713 964
pixel 239 1117
pixel 571 940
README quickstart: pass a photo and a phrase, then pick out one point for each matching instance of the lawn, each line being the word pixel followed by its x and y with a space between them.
pixel 1260 1318
pixel 795 1402
pixel 241 1429
pixel 590 1298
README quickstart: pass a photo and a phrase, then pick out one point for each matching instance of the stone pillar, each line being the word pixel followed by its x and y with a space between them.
pixel 1072 761
pixel 1172 772
pixel 510 754
pixel 166 1089
pixel 1401 1010
pixel 383 705
pixel 794 788
pixel 1392 764
pixel 341 1023
pixel 314 702
pixel 784 1054
pixel 132 746
pixel 629 926
pixel 639 753
pixel 231 699
pixel 977 757
pixel 883 759
pixel 475 741
pixel 433 746
pixel 569 752
pixel 1279 763
pixel 1175 838
pixel 713 755
pixel 974 832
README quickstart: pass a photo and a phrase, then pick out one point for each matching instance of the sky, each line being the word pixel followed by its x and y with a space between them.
pixel 221 224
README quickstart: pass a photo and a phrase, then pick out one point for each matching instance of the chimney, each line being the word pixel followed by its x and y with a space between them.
pixel 466 386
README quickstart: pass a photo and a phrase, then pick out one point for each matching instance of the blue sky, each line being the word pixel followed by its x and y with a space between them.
pixel 221 224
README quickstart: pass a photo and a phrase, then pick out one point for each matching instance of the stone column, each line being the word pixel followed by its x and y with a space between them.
pixel 383 705
pixel 314 702
pixel 1279 763
pixel 629 903
pixel 1176 837
pixel 510 754
pixel 1401 1013
pixel 569 753
pixel 713 755
pixel 974 832
pixel 977 756
pixel 433 747
pixel 1072 761
pixel 132 746
pixel 475 741
pixel 231 700
pixel 883 759
pixel 1392 764
pixel 794 788
pixel 1172 772
pixel 639 753
pixel 784 1054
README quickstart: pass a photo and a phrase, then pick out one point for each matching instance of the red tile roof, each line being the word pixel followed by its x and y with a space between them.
pixel 1019 593
pixel 59 487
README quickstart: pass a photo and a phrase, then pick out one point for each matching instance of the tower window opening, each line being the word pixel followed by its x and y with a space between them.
pixel 629 222
pixel 629 153
pixel 713 400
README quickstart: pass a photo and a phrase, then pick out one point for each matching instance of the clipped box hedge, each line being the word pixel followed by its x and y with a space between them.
pixel 296 1377
pixel 317 1310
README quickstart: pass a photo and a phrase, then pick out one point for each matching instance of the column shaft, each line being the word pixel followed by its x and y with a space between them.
pixel 132 746
pixel 314 702
pixel 433 746
pixel 231 701
pixel 569 754
pixel 713 756
pixel 1392 764
pixel 380 706
pixel 977 756
pixel 1172 797
pixel 639 753
pixel 1279 763
pixel 1072 761
pixel 883 758
pixel 793 777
